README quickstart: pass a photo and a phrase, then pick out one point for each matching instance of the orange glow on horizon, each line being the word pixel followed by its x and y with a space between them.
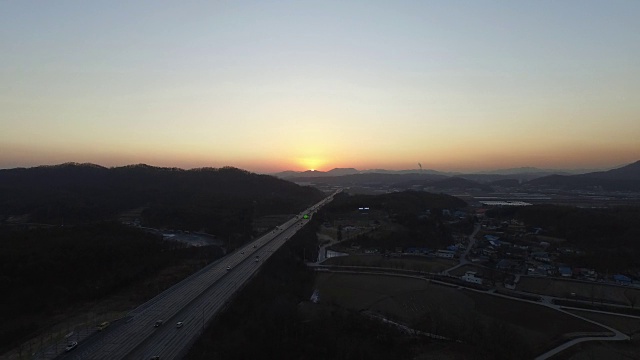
pixel 311 163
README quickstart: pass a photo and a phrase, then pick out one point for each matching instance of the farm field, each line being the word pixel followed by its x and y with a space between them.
pixel 544 325
pixel 414 263
pixel 582 290
pixel 614 350
pixel 627 325
pixel 412 300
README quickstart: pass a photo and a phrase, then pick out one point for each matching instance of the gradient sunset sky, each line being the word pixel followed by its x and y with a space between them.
pixel 276 85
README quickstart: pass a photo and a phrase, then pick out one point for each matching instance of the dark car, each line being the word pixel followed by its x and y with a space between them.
pixel 71 345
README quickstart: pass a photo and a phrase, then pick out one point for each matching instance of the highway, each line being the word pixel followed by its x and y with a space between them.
pixel 194 301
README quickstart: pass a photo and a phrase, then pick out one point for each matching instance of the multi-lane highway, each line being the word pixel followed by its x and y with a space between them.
pixel 194 302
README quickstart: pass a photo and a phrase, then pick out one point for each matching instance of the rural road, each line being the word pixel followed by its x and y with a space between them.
pixel 463 258
pixel 618 336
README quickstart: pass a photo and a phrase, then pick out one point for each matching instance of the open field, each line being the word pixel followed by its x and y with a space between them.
pixel 609 350
pixel 627 325
pixel 412 300
pixel 540 323
pixel 415 263
pixel 400 298
pixel 595 292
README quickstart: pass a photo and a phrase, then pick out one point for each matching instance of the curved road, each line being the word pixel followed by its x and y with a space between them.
pixel 463 259
pixel 617 335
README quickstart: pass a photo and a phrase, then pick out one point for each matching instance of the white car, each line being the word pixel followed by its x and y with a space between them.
pixel 179 324
pixel 71 345
pixel 228 268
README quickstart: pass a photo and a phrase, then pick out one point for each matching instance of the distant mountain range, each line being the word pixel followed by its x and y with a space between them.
pixel 626 178
pixel 529 172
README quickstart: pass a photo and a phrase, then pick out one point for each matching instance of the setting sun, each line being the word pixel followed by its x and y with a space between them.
pixel 311 163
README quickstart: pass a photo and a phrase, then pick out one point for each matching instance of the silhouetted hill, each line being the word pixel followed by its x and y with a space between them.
pixel 487 178
pixel 626 178
pixel 511 183
pixel 628 172
pixel 414 202
pixel 218 200
pixel 450 184
pixel 351 171
pixel 365 179
pixel 342 171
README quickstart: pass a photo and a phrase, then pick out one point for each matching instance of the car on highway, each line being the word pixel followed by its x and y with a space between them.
pixel 179 324
pixel 228 268
pixel 103 326
pixel 158 323
pixel 71 345
pixel 242 252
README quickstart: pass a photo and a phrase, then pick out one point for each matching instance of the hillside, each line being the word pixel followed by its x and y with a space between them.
pixel 220 201
pixel 626 178
pixel 450 184
pixel 627 172
pixel 413 202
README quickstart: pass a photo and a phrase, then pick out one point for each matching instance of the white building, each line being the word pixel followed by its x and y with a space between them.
pixel 446 254
pixel 470 276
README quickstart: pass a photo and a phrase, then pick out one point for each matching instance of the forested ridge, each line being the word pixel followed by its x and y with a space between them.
pixel 220 201
pixel 405 202
pixel 49 271
pixel 62 243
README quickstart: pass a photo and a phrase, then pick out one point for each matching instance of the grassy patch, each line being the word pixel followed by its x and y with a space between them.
pixel 541 324
pixel 414 263
pixel 627 325
pixel 619 350
pixel 446 310
pixel 595 292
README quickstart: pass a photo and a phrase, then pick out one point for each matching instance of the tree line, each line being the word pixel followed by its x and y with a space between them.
pixel 47 271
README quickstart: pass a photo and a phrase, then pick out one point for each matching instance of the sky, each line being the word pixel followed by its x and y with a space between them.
pixel 295 85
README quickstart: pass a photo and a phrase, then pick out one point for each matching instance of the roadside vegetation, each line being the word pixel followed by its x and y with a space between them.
pixel 396 220
pixel 413 263
pixel 273 318
pixel 66 257
pixel 49 275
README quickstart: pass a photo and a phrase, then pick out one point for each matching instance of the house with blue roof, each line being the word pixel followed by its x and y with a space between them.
pixel 622 279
